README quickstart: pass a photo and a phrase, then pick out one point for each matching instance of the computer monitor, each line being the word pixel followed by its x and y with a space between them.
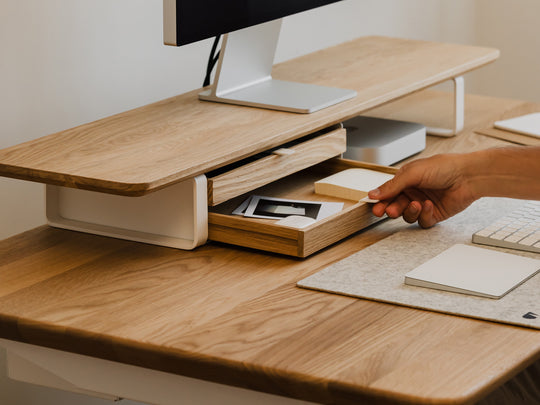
pixel 251 29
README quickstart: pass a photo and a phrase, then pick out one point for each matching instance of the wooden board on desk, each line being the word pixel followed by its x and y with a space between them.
pixel 148 148
pixel 510 136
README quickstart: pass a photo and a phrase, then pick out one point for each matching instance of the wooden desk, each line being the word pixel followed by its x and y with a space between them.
pixel 234 316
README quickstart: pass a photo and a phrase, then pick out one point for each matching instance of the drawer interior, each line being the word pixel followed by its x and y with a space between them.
pixel 265 234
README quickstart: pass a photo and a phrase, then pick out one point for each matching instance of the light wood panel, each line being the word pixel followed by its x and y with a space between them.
pixel 267 169
pixel 148 148
pixel 234 315
pixel 510 136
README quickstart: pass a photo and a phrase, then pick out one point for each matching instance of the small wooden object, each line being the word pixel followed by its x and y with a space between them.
pixel 351 184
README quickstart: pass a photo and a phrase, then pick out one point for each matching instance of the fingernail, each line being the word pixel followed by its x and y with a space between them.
pixel 374 193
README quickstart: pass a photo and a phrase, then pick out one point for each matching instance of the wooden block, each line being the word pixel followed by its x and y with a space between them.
pixel 351 184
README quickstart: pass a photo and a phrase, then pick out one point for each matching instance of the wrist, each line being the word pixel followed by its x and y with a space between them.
pixel 503 172
pixel 476 170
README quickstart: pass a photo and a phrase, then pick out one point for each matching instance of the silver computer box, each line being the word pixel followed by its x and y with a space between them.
pixel 383 141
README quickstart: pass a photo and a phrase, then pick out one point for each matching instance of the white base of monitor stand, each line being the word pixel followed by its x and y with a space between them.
pixel 176 216
pixel 459 111
pixel 284 96
pixel 244 75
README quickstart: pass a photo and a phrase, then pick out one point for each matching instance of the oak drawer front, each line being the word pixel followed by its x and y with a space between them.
pixel 266 235
pixel 280 163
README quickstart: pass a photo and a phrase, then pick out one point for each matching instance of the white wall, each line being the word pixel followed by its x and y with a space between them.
pixel 67 62
pixel 513 28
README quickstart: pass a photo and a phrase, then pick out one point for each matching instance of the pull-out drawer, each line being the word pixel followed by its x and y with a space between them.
pixel 265 168
pixel 265 234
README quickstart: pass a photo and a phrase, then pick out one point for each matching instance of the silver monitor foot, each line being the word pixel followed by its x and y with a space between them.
pixel 244 76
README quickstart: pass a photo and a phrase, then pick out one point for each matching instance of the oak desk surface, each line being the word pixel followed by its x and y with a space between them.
pixel 234 316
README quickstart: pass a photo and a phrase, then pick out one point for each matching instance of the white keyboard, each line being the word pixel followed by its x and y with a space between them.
pixel 518 230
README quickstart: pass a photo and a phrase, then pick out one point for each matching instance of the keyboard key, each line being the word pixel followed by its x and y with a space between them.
pixel 513 238
pixel 529 241
pixel 519 229
pixel 484 232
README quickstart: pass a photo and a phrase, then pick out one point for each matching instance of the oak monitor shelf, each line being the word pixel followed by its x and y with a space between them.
pixel 174 144
pixel 151 147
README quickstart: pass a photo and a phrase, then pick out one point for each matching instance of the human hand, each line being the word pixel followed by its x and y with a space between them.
pixel 426 190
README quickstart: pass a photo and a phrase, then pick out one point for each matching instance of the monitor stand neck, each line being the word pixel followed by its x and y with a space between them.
pixel 244 75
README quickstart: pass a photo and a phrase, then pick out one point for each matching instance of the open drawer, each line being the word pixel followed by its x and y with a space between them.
pixel 259 170
pixel 265 234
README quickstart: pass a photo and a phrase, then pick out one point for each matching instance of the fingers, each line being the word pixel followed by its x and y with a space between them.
pixel 397 207
pixel 392 208
pixel 426 218
pixel 379 209
pixel 411 211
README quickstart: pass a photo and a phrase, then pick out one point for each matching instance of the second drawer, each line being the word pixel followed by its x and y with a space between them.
pixel 277 164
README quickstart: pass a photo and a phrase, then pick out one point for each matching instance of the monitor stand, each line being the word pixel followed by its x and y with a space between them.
pixel 244 75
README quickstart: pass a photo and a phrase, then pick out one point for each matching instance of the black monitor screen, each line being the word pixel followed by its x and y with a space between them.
pixel 201 19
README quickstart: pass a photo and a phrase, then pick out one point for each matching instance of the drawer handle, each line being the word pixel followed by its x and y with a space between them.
pixel 283 152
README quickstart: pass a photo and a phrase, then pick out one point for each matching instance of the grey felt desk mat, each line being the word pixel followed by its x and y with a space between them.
pixel 377 272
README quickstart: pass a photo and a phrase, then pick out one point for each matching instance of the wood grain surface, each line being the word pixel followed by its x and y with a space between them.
pixel 145 149
pixel 272 167
pixel 510 136
pixel 234 316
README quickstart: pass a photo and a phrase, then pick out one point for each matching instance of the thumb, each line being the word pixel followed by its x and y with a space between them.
pixel 403 179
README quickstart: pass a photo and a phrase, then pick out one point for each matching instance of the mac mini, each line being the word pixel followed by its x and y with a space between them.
pixel 383 141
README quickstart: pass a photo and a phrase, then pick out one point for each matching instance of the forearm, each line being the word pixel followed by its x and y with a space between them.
pixel 504 172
